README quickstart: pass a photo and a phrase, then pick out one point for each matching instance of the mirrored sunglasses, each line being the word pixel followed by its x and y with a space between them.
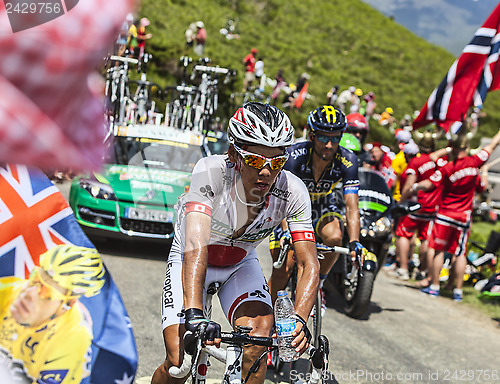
pixel 258 161
pixel 325 139
pixel 45 291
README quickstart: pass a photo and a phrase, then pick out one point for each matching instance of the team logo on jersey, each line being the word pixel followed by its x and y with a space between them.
pixel 56 376
pixel 168 300
pixel 258 294
pixel 207 191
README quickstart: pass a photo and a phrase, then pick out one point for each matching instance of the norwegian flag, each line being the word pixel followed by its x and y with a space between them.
pixel 468 80
pixel 34 217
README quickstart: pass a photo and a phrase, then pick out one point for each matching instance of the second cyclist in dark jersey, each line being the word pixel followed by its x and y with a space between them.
pixel 330 173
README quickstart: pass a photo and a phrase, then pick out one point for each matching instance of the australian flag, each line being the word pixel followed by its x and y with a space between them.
pixel 468 80
pixel 34 217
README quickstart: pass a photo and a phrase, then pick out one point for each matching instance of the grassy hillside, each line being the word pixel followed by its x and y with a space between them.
pixel 335 41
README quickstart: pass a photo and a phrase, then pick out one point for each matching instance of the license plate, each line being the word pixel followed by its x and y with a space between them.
pixel 149 215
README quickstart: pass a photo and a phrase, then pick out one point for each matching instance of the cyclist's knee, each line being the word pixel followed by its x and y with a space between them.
pixel 173 359
pixel 256 315
pixel 333 241
pixel 161 375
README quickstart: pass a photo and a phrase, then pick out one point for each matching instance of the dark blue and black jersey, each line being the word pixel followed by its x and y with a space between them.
pixel 343 169
pixel 325 193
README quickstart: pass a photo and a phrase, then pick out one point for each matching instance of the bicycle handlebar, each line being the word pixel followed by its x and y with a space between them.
pixel 325 248
pixel 320 247
pixel 124 59
pixel 283 253
pixel 191 343
pixel 204 68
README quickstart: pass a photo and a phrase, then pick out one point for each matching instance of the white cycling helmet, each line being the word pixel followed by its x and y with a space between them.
pixel 260 124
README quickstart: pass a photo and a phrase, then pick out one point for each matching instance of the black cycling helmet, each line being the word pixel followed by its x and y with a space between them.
pixel 326 119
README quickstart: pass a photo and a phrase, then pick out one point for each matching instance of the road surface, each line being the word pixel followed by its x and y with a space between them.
pixel 407 337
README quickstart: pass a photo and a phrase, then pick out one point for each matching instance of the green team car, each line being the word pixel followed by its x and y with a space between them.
pixel 135 194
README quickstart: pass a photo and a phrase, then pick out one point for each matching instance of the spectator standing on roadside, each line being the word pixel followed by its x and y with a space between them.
pixel 132 38
pixel 400 162
pixel 200 38
pixel 367 105
pixel 123 37
pixel 458 179
pixel 345 97
pixel 190 35
pixel 355 100
pixel 280 84
pixel 259 73
pixel 419 168
pixel 142 36
pixel 332 95
pixel 249 62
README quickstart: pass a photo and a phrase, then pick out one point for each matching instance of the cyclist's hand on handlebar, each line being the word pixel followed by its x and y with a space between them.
pixel 357 250
pixel 208 330
pixel 302 335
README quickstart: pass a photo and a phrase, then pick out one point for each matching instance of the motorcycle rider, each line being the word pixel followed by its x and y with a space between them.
pixel 321 164
pixel 358 126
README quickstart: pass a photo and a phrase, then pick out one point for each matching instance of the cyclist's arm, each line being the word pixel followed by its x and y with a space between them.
pixel 307 284
pixel 194 265
pixel 352 213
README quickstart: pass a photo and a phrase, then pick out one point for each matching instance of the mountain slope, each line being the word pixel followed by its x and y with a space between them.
pixel 335 41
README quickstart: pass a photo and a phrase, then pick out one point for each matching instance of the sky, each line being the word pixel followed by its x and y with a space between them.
pixel 448 23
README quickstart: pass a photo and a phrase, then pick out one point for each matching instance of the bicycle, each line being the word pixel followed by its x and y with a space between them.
pixel 116 89
pixel 232 355
pixel 314 322
pixel 205 103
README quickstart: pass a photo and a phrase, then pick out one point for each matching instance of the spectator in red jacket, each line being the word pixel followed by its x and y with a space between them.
pixel 459 180
pixel 249 62
pixel 418 169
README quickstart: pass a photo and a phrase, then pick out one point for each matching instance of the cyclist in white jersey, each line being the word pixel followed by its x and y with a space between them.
pixel 234 202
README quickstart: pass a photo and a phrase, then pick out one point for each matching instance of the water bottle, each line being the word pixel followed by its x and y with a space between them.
pixel 285 325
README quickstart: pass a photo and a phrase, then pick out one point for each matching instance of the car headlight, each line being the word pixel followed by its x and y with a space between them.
pixel 382 226
pixel 98 190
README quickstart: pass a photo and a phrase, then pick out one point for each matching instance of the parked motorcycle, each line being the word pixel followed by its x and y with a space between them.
pixel 376 211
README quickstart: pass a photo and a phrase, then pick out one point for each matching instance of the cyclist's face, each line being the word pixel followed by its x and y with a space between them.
pixel 37 302
pixel 257 182
pixel 326 150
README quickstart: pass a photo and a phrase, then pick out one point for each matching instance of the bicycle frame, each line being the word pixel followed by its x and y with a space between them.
pixel 233 354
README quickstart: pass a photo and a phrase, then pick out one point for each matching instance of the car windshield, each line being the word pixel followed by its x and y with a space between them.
pixel 152 153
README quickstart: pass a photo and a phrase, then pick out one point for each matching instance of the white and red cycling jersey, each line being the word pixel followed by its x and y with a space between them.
pixel 459 181
pixel 212 192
